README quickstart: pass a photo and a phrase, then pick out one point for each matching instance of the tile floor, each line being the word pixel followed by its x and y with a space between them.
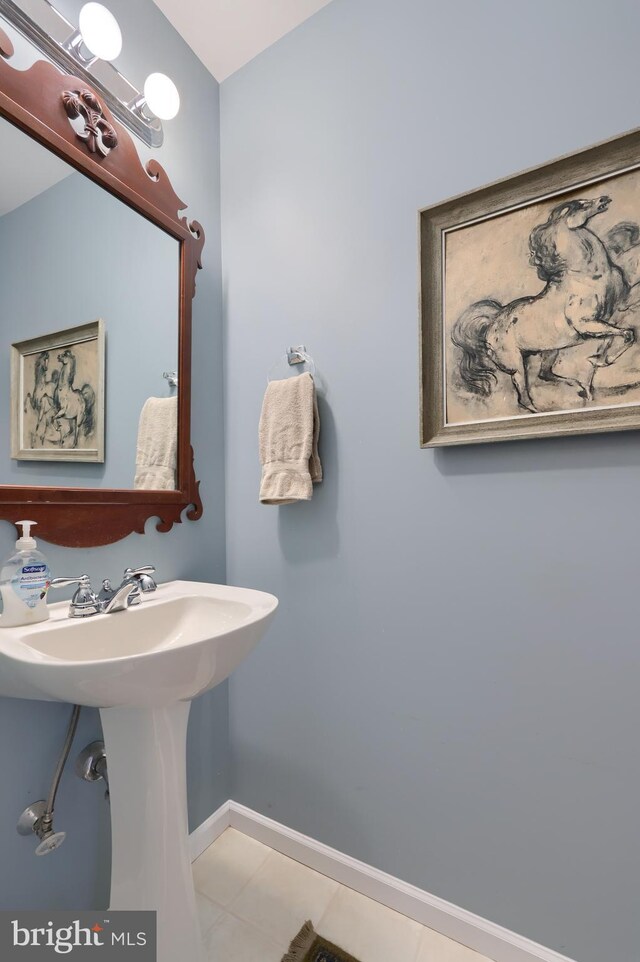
pixel 252 901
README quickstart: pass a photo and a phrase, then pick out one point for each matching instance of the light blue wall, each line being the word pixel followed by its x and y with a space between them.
pixel 31 733
pixel 130 280
pixel 450 691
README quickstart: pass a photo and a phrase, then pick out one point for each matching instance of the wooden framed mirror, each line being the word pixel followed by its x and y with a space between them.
pixel 95 308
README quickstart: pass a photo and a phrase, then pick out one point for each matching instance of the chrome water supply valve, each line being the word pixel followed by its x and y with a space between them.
pixel 33 821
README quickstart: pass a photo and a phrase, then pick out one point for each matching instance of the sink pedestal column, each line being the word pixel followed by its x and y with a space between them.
pixel 151 864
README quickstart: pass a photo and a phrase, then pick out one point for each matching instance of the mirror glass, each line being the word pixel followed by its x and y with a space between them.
pixel 89 318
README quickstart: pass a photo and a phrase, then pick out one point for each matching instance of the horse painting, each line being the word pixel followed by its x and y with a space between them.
pixel 60 413
pixel 530 302
pixel 58 395
pixel 554 325
pixel 584 298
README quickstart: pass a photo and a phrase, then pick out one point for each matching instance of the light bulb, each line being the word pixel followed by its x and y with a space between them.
pixel 162 96
pixel 100 31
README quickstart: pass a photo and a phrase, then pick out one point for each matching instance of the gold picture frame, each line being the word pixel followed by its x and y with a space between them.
pixel 530 302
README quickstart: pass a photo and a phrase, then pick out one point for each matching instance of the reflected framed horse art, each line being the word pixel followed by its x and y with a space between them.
pixel 58 395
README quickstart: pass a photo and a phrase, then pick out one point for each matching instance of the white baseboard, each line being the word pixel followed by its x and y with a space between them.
pixel 481 935
pixel 205 835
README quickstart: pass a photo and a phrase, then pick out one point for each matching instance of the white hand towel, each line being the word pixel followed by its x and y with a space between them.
pixel 289 432
pixel 157 452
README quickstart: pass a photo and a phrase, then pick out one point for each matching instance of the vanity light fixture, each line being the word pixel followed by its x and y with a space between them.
pixel 161 95
pixel 100 31
pixel 87 52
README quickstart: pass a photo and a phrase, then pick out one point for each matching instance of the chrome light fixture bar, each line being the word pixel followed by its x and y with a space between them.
pixel 62 43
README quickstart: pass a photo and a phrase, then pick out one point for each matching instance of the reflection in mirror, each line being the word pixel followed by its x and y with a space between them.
pixel 89 315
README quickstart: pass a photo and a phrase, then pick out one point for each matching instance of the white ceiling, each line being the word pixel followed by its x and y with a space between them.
pixel 227 34
pixel 27 168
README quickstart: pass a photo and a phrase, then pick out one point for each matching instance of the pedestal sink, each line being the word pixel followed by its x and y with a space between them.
pixel 141 668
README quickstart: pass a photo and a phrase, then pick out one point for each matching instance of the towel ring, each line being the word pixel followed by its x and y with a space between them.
pixel 295 355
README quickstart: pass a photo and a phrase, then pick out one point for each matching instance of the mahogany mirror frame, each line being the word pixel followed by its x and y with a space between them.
pixel 42 101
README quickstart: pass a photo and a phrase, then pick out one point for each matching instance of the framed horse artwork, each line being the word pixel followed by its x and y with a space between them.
pixel 530 318
pixel 57 395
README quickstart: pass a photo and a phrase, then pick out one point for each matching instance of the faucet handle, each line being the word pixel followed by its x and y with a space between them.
pixel 83 580
pixel 84 601
pixel 142 574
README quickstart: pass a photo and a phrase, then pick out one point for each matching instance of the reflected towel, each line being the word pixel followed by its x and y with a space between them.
pixel 157 451
pixel 289 432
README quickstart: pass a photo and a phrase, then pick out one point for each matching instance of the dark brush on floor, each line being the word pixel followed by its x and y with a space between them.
pixel 308 946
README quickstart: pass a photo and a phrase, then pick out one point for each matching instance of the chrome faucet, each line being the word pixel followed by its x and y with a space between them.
pixel 85 602
pixel 135 583
pixel 127 595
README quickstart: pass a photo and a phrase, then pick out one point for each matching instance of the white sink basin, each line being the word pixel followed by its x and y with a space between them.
pixel 141 668
pixel 180 641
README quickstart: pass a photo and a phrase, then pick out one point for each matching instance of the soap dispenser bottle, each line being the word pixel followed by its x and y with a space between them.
pixel 24 581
